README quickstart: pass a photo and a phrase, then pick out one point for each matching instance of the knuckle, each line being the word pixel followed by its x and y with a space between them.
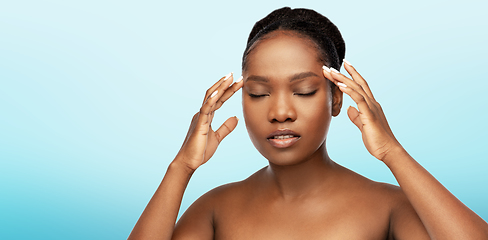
pixel 361 98
pixel 359 86
pixel 208 91
pixel 202 110
pixel 227 127
pixel 220 102
pixel 377 105
pixel 218 137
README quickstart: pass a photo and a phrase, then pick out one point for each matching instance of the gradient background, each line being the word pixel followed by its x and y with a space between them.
pixel 96 98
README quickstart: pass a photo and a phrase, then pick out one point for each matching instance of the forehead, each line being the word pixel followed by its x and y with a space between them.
pixel 282 53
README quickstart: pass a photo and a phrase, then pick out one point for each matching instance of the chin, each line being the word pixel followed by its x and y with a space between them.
pixel 293 155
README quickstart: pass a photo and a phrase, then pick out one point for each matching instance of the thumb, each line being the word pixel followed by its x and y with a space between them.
pixel 228 126
pixel 353 115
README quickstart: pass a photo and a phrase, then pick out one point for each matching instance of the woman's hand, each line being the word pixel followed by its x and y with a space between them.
pixel 201 140
pixel 370 119
pixel 158 219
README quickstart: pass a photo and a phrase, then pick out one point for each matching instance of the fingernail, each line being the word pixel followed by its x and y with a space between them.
pixel 341 84
pixel 326 69
pixel 214 93
pixel 347 62
pixel 334 70
pixel 237 118
pixel 240 79
pixel 228 76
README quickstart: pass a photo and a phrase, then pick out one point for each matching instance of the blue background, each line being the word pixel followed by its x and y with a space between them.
pixel 96 98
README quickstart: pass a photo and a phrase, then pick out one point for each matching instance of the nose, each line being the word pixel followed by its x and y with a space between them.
pixel 282 109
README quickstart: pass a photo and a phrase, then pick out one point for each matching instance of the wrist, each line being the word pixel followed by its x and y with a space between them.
pixel 394 154
pixel 180 166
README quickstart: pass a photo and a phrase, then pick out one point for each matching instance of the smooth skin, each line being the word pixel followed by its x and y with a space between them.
pixel 302 194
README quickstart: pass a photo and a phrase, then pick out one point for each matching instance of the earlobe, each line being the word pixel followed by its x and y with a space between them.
pixel 336 101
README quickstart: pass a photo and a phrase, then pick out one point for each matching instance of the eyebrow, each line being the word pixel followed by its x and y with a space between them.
pixel 302 76
pixel 295 77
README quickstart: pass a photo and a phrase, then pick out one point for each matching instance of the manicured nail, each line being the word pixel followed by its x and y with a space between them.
pixel 347 62
pixel 237 118
pixel 334 70
pixel 240 79
pixel 228 76
pixel 214 93
pixel 326 69
pixel 341 84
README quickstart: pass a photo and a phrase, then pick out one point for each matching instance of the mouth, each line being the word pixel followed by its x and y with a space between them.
pixel 283 138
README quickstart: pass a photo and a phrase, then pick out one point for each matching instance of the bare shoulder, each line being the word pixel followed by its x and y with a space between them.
pixel 223 196
pixel 356 184
pixel 404 222
pixel 230 190
pixel 199 220
pixel 386 193
pixel 230 195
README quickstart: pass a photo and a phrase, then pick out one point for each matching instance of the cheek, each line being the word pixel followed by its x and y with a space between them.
pixel 252 114
pixel 317 115
pixel 255 121
pixel 318 107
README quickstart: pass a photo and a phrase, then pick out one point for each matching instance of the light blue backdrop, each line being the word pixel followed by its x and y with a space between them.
pixel 96 98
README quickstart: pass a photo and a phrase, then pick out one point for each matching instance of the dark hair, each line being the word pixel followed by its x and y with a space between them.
pixel 306 23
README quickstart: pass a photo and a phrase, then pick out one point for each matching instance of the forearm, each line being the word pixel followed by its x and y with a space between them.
pixel 159 218
pixel 443 215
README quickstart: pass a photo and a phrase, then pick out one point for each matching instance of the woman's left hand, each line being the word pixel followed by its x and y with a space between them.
pixel 370 119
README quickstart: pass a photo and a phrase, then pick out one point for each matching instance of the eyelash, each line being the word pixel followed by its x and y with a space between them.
pixel 306 94
pixel 257 96
pixel 298 94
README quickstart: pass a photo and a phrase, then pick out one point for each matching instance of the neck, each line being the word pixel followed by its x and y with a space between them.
pixel 306 178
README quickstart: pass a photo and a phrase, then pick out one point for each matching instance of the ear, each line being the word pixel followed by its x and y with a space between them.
pixel 336 100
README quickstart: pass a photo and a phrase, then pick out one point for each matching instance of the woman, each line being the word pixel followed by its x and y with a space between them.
pixel 291 90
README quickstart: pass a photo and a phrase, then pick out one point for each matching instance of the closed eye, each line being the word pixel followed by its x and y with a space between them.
pixel 257 95
pixel 306 94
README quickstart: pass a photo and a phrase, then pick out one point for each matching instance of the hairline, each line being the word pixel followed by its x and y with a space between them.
pixel 321 54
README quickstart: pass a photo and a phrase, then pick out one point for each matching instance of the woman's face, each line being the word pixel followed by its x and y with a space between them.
pixel 287 101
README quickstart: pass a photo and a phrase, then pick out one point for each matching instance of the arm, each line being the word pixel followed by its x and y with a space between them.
pixel 158 219
pixel 442 214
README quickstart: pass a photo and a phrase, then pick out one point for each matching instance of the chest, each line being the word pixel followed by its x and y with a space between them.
pixel 303 220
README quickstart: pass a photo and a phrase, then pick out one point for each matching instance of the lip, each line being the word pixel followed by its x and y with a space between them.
pixel 283 143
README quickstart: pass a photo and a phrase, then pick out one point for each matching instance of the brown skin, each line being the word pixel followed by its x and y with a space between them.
pixel 302 194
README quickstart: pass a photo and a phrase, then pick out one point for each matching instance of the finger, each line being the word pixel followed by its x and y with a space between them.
pixel 328 74
pixel 229 92
pixel 353 115
pixel 338 77
pixel 358 78
pixel 216 85
pixel 360 100
pixel 227 127
pixel 222 90
pixel 205 115
pixel 375 111
pixel 207 108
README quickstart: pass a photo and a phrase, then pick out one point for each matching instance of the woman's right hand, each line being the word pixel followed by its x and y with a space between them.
pixel 201 140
